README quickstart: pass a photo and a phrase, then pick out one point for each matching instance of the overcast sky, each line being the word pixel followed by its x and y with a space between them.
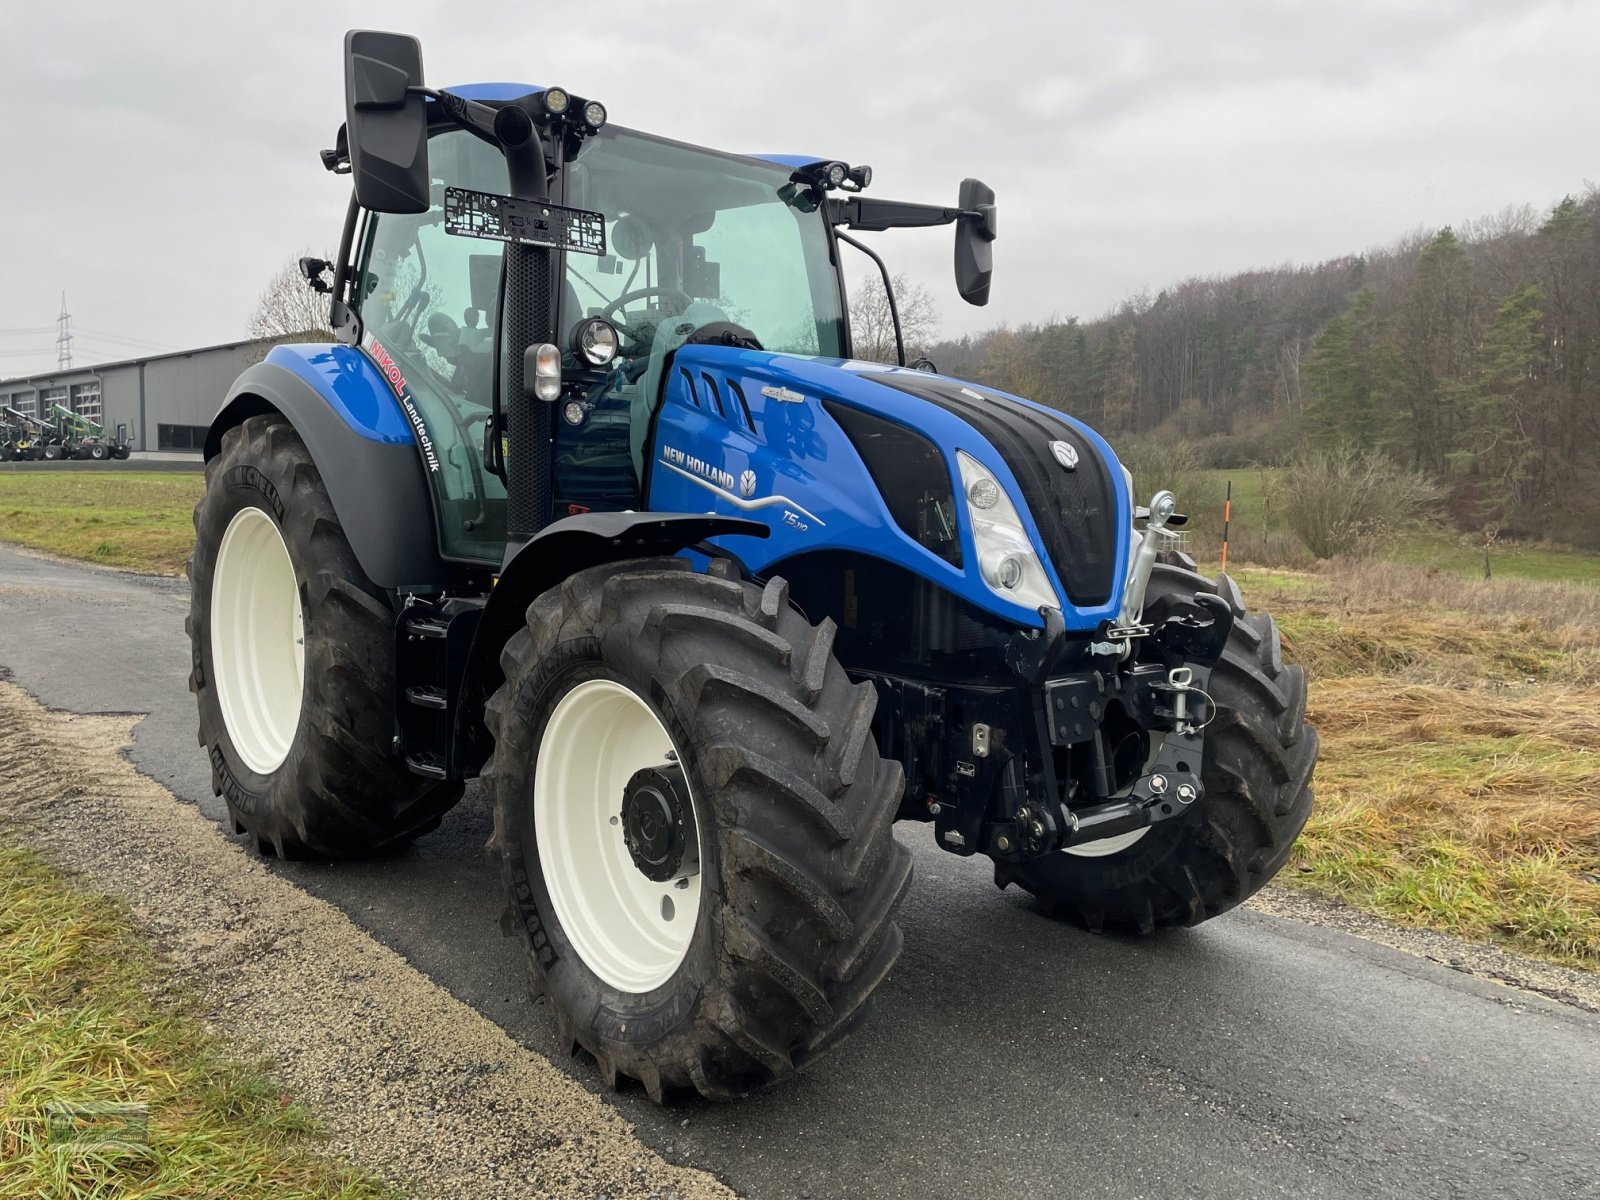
pixel 158 160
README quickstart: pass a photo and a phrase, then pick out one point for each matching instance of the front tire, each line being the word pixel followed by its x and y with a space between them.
pixel 1259 757
pixel 799 876
pixel 293 661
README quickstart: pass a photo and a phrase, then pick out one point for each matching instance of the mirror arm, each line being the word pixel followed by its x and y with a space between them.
pixel 520 142
pixel 873 215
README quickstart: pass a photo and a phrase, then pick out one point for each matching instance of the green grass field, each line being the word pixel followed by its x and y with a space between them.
pixel 133 519
pixel 90 1025
pixel 1257 523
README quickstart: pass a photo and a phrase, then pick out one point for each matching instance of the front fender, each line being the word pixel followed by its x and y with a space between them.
pixel 362 447
pixel 561 549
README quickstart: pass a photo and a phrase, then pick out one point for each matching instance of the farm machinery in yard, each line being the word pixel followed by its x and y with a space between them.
pixel 86 439
pixel 590 501
pixel 27 438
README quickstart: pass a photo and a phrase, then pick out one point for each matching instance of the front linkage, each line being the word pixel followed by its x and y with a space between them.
pixel 1100 735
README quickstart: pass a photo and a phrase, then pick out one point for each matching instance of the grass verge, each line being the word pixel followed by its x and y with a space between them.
pixel 1459 786
pixel 89 1021
pixel 133 519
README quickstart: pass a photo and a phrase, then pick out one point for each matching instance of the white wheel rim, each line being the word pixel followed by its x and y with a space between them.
pixel 1115 844
pixel 258 649
pixel 629 930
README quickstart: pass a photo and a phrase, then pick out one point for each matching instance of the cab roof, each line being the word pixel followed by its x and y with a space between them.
pixel 491 93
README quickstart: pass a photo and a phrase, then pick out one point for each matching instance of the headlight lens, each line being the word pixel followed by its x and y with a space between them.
pixel 595 340
pixel 1006 559
pixel 546 371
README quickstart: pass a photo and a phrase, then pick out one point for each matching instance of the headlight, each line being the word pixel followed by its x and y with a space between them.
pixel 595 341
pixel 1006 558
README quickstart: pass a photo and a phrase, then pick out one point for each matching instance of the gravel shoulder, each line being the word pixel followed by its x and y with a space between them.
pixel 1567 985
pixel 407 1079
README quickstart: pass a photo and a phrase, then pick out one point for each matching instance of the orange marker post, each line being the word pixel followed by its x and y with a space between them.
pixel 1227 516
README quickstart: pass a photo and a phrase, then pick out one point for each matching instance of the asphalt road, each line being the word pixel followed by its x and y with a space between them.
pixel 1009 1055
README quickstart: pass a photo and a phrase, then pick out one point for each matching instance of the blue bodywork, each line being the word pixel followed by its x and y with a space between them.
pixel 812 487
pixel 352 385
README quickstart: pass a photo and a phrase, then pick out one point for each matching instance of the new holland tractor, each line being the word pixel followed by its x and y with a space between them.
pixel 589 501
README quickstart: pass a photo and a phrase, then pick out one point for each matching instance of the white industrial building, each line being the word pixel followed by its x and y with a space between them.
pixel 162 402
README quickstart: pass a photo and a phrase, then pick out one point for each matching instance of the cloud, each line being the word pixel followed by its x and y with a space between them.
pixel 160 160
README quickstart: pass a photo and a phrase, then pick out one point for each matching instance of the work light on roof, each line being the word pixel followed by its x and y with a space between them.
pixel 594 114
pixel 556 100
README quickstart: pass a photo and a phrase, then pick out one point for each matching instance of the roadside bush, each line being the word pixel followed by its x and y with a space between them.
pixel 1352 502
pixel 1175 465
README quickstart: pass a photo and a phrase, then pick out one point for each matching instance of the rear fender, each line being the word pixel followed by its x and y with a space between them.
pixel 362 446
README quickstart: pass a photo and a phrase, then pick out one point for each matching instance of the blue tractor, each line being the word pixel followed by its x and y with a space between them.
pixel 589 501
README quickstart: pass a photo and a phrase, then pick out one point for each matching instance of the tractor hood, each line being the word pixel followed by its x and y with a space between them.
pixel 763 435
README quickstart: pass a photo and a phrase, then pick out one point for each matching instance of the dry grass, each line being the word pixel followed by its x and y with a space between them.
pixel 1459 786
pixel 87 1018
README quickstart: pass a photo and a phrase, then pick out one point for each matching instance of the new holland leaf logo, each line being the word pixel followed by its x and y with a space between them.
pixel 747 484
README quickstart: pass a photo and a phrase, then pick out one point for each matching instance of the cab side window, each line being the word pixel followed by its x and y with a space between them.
pixel 429 299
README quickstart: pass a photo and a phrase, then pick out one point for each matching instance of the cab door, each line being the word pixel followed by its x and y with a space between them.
pixel 428 304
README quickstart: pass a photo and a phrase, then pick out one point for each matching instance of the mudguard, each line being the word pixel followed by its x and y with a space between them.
pixel 363 447
pixel 561 549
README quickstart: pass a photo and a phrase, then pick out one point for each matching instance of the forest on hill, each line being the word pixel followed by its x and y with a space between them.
pixel 1470 355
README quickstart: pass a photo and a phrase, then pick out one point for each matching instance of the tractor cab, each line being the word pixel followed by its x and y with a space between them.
pixel 693 239
pixel 691 244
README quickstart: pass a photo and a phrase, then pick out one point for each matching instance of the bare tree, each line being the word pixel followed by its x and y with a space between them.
pixel 872 326
pixel 289 310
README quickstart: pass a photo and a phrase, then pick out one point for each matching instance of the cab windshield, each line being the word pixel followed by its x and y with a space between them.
pixel 693 237
pixel 698 234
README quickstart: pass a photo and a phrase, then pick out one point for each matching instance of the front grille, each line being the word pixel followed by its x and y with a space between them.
pixel 1076 511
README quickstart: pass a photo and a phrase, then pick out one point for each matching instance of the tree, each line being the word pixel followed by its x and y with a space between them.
pixel 1348 377
pixel 1435 343
pixel 872 326
pixel 290 311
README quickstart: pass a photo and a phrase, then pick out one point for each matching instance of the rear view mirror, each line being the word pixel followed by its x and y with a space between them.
pixel 387 123
pixel 974 241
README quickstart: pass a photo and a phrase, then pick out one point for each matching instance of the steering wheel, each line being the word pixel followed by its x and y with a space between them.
pixel 679 299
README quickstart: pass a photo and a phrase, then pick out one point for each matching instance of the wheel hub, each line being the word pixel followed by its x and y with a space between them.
pixel 656 822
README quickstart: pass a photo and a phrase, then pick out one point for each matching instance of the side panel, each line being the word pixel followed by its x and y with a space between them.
pixel 362 446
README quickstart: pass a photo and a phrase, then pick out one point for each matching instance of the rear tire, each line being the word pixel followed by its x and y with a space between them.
pixel 1259 758
pixel 799 873
pixel 311 775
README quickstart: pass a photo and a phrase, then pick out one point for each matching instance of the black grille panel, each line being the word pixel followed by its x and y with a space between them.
pixel 1076 510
